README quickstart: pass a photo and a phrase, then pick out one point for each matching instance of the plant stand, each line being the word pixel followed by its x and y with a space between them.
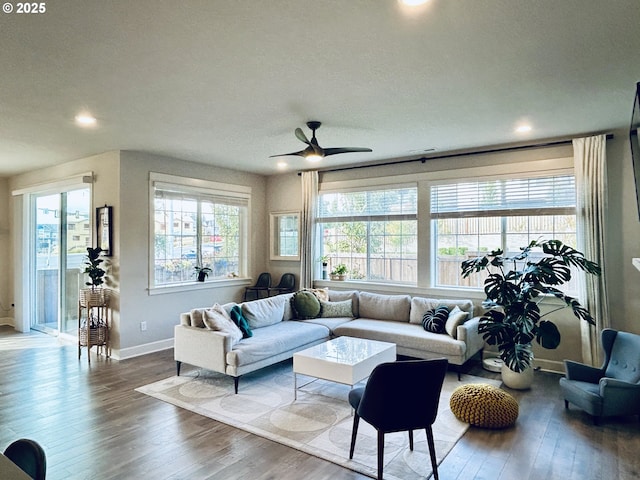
pixel 93 307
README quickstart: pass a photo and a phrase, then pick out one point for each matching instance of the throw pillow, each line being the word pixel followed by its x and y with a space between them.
pixel 456 317
pixel 197 315
pixel 435 320
pixel 214 320
pixel 238 318
pixel 336 309
pixel 305 304
pixel 321 293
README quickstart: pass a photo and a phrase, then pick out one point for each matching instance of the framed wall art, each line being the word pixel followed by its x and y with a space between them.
pixel 104 228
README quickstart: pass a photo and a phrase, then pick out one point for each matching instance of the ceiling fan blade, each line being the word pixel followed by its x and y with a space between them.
pixel 335 151
pixel 301 136
pixel 301 153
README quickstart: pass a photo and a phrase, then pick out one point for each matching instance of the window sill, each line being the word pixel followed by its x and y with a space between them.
pixel 191 286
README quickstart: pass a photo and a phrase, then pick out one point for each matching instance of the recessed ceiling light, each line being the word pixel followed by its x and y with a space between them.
pixel 85 120
pixel 282 164
pixel 413 3
pixel 523 128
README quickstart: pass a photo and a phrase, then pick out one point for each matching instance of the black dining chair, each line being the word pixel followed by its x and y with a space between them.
pixel 286 284
pixel 29 456
pixel 400 396
pixel 262 285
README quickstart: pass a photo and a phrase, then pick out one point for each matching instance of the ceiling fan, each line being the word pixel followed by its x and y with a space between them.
pixel 315 152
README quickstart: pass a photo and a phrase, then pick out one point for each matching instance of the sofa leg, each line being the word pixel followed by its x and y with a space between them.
pixel 566 404
pixel 235 383
pixel 178 365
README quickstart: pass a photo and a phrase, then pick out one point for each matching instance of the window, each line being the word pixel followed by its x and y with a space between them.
pixel 373 232
pixel 198 226
pixel 471 218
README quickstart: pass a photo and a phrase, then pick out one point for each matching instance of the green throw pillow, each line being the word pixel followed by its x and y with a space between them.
pixel 238 318
pixel 305 304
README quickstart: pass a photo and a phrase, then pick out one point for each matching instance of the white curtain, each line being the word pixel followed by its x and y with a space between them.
pixel 307 228
pixel 590 164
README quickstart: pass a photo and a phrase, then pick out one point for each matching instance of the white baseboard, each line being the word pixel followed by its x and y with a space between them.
pixel 552 366
pixel 138 350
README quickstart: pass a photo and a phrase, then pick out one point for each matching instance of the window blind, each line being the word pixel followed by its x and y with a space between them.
pixel 400 203
pixel 555 195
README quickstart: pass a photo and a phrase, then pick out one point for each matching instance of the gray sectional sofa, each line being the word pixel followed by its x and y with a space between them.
pixel 277 333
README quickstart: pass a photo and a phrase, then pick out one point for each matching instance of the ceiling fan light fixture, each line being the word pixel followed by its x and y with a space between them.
pixel 313 157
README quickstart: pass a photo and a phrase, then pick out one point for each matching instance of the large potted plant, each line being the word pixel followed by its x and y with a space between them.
pixel 515 287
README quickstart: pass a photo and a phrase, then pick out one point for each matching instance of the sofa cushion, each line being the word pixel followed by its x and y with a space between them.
pixel 305 304
pixel 264 312
pixel 341 295
pixel 288 310
pixel 238 318
pixel 435 320
pixel 456 317
pixel 218 320
pixel 405 335
pixel 336 309
pixel 419 305
pixel 385 307
pixel 275 340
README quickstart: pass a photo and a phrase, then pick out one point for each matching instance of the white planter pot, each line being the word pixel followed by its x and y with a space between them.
pixel 515 380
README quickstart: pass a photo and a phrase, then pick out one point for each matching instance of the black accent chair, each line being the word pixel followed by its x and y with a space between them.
pixel 400 396
pixel 286 284
pixel 29 456
pixel 614 388
pixel 262 285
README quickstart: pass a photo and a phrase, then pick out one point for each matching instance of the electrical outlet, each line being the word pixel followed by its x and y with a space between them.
pixel 143 326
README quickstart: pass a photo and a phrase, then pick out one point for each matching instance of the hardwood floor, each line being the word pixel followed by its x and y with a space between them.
pixel 93 424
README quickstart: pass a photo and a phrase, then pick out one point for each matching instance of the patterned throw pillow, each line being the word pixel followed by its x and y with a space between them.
pixel 336 309
pixel 435 320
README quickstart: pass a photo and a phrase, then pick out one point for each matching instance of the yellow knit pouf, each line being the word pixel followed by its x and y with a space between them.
pixel 484 405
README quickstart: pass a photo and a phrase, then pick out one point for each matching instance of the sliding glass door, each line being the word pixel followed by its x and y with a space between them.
pixel 61 232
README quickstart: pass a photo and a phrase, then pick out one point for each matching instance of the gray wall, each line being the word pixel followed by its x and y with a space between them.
pixel 6 265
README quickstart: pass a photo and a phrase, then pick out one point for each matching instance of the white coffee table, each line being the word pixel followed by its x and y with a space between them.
pixel 346 360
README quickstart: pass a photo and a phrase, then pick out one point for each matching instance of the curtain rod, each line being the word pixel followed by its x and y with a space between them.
pixel 423 159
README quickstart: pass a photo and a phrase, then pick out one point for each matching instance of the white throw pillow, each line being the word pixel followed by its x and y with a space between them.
pixel 456 317
pixel 214 319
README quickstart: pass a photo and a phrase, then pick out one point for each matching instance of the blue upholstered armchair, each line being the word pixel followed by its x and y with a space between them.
pixel 614 388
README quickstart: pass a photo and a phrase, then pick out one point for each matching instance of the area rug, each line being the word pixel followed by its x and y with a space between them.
pixel 319 422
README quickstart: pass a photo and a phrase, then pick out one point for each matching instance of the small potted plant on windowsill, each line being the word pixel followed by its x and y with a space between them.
pixel 339 272
pixel 203 273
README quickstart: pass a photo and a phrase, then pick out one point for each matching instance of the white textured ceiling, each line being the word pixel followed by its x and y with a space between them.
pixel 225 82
